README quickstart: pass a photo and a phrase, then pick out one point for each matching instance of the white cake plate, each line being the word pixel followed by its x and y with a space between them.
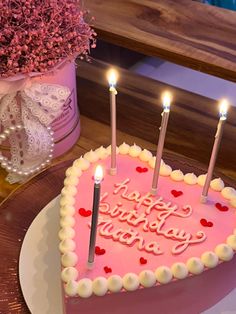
pixel 39 267
pixel 39 264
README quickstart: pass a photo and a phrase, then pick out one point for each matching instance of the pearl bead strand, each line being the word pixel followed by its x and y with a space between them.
pixel 7 164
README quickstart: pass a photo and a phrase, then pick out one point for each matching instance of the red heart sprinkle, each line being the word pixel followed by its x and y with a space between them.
pixel 85 213
pixel 107 269
pixel 141 170
pixel 176 193
pixel 206 223
pixel 143 260
pixel 221 207
pixel 99 251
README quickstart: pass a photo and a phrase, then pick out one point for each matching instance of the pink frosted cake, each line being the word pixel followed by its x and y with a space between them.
pixel 143 241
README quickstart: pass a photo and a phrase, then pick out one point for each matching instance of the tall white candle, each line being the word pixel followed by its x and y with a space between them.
pixel 112 79
pixel 98 176
pixel 161 141
pixel 216 146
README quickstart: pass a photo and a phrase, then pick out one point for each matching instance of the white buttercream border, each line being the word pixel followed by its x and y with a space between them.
pixel 130 281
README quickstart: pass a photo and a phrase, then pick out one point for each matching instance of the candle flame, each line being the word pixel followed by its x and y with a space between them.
pixel 224 105
pixel 112 77
pixel 166 99
pixel 98 176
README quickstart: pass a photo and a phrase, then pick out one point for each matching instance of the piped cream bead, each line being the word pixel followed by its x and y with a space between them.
pixel 69 273
pixel 100 286
pixel 73 171
pixel 109 150
pixel 69 259
pixel 66 233
pixel 102 152
pixel 177 175
pixel 165 170
pixel 71 181
pixel 217 185
pixel 71 288
pixel 76 172
pixel 179 270
pixel 201 179
pixel 81 163
pixel 114 283
pixel 85 288
pixel 147 278
pixel 69 190
pixel 210 259
pixel 195 265
pixel 131 282
pixel 228 193
pixel 67 245
pixel 231 241
pixel 134 150
pixel 152 162
pixel 67 210
pixel 67 200
pixel 67 221
pixel 190 178
pixel 233 202
pixel 124 149
pixel 224 252
pixel 91 156
pixel 145 155
pixel 163 274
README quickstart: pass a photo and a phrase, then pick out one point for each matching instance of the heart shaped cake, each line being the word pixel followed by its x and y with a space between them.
pixel 142 240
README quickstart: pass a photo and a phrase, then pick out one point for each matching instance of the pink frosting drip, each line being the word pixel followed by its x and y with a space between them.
pixel 122 258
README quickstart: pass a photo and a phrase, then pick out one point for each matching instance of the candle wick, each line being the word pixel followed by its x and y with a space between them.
pixel 113 89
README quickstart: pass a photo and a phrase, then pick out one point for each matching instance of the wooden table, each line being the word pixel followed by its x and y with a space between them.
pixel 185 32
pixel 160 28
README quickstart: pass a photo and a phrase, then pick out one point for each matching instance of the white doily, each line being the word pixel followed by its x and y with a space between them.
pixel 35 108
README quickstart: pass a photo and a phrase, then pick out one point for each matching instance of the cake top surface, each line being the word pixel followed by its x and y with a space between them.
pixel 139 233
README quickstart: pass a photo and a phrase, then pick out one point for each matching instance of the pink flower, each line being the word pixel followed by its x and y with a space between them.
pixel 37 35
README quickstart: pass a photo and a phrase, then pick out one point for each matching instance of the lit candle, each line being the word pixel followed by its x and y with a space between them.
pixel 98 176
pixel 216 146
pixel 112 79
pixel 161 141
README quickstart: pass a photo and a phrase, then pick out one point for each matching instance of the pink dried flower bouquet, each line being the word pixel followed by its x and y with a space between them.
pixel 37 35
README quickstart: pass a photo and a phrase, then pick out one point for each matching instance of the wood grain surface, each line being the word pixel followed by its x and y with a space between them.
pixel 193 118
pixel 185 32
